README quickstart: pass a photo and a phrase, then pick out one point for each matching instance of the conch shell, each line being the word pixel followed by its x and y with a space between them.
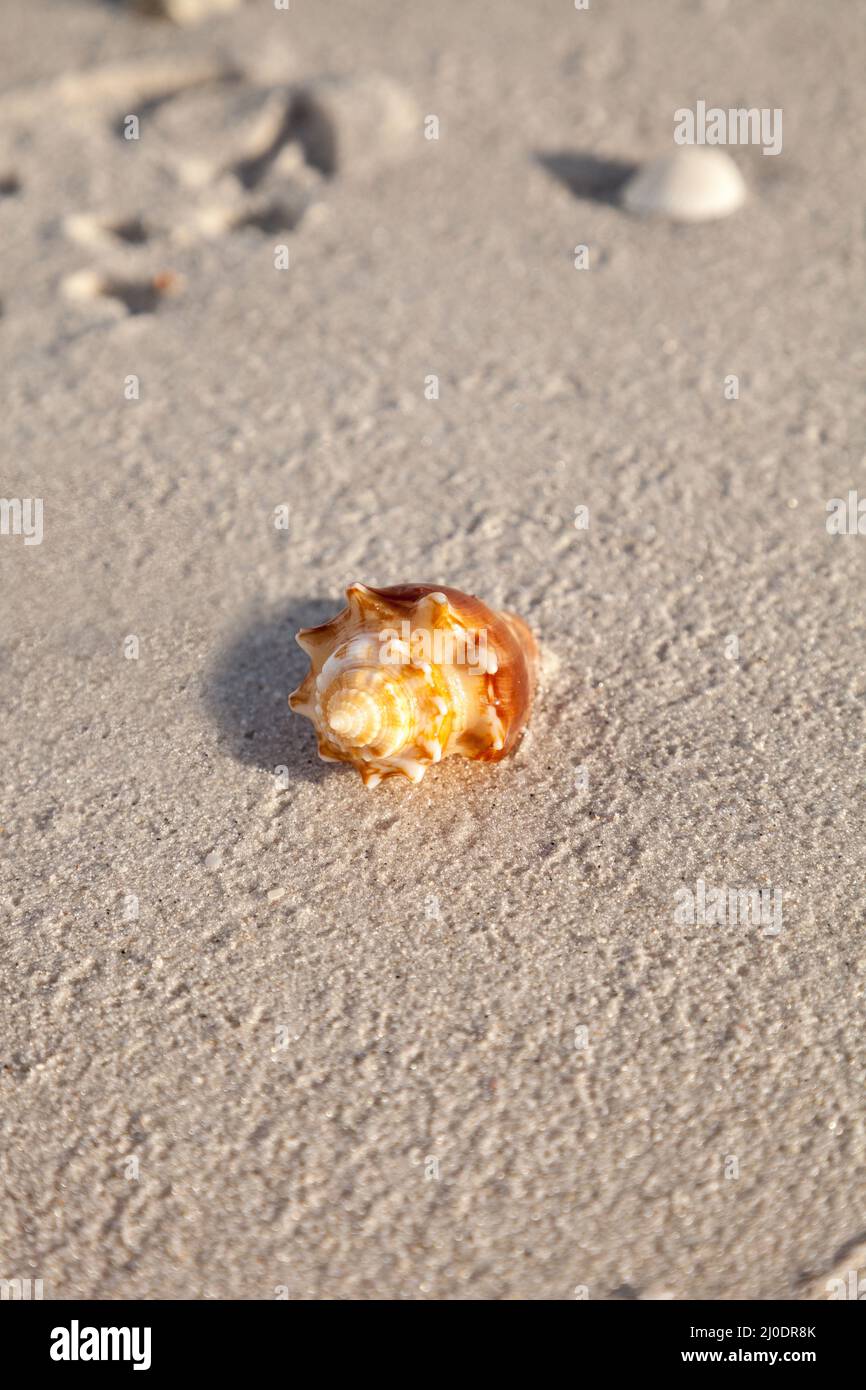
pixel 406 676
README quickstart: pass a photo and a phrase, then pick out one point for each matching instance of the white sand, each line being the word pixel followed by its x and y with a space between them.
pixel 284 1038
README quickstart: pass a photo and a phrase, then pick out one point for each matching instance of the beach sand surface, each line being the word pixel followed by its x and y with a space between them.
pixel 266 1033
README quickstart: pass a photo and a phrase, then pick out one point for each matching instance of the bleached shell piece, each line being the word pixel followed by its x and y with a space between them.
pixel 694 183
pixel 185 11
pixel 408 675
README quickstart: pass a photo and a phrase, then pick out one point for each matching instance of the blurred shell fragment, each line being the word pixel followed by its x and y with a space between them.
pixel 694 183
pixel 183 11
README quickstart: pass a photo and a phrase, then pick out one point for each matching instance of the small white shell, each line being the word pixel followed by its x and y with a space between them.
pixel 693 184
pixel 185 11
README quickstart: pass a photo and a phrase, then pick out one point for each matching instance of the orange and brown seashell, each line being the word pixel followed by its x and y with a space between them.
pixel 405 676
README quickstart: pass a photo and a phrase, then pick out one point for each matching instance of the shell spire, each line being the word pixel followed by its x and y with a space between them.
pixel 405 676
